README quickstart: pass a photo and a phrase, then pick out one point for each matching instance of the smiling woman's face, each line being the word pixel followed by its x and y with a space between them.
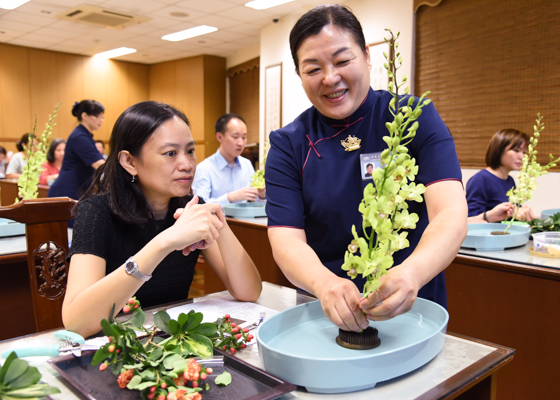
pixel 334 72
pixel 167 163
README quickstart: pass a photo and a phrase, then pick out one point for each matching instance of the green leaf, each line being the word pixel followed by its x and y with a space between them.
pixel 138 318
pixel 194 321
pixel 112 314
pixel 223 379
pixel 174 327
pixel 108 329
pixel 100 355
pixel 169 361
pixel 29 377
pixel 206 329
pixel 145 385
pixel 156 354
pixel 161 319
pixel 39 390
pixel 200 345
pixel 183 318
pixel 11 357
pixel 134 382
pixel 15 370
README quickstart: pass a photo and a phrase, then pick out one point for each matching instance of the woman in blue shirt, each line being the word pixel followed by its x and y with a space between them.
pixel 486 190
pixel 81 157
pixel 314 186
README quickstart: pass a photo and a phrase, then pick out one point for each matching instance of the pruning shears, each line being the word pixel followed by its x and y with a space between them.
pixel 71 342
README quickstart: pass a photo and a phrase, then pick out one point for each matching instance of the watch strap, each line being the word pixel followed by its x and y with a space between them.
pixel 131 268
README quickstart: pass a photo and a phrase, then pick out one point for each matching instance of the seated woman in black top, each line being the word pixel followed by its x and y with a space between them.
pixel 138 231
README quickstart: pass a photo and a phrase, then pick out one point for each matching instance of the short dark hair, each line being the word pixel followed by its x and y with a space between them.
pixel 500 142
pixel 130 132
pixel 100 141
pixel 223 121
pixel 90 107
pixel 24 141
pixel 369 165
pixel 2 150
pixel 52 148
pixel 312 22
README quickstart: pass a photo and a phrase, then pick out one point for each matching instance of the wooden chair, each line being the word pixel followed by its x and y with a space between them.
pixel 46 231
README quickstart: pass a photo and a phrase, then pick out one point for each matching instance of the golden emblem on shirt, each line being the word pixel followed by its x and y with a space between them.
pixel 351 143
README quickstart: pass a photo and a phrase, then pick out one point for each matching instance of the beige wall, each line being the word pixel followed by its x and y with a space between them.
pixel 33 81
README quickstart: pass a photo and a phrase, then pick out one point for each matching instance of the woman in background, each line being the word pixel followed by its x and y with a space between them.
pixel 138 231
pixel 19 159
pixel 81 157
pixel 51 167
pixel 486 190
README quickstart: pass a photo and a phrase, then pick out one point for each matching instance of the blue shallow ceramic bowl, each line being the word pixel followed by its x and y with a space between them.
pixel 11 228
pixel 245 210
pixel 480 238
pixel 549 213
pixel 299 345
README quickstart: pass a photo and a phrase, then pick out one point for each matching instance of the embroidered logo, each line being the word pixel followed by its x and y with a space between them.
pixel 351 143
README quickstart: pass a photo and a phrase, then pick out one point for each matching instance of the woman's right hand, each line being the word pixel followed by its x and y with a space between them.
pixel 197 226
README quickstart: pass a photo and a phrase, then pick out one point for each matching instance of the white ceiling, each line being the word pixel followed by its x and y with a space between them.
pixel 34 24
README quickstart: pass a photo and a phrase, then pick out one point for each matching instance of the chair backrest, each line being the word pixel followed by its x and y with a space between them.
pixel 46 231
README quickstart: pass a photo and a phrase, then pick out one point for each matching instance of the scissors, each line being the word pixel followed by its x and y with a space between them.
pixel 71 342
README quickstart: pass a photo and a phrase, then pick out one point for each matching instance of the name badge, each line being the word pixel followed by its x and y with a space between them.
pixel 368 162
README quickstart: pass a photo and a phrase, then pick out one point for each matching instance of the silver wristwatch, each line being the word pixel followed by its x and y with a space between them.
pixel 131 268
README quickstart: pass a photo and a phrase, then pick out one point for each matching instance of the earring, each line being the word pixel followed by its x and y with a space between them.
pixel 133 178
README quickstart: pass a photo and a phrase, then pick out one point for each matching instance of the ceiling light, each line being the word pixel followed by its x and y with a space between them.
pixel 121 51
pixel 264 4
pixel 11 4
pixel 189 33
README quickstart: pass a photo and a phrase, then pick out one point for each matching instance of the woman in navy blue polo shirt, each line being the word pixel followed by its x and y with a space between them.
pixel 314 186
pixel 81 157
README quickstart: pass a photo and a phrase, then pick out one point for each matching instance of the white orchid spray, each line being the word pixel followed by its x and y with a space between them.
pixel 384 207
pixel 529 172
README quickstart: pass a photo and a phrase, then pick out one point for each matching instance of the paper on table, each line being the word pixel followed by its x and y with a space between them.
pixel 212 309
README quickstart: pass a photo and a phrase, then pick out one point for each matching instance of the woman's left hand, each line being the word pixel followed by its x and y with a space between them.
pixel 395 296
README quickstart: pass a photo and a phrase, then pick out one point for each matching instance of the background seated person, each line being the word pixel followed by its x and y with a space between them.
pixel 224 177
pixel 3 157
pixel 101 147
pixel 19 159
pixel 51 167
pixel 486 190
pixel 138 231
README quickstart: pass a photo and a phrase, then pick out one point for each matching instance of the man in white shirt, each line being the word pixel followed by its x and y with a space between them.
pixel 224 177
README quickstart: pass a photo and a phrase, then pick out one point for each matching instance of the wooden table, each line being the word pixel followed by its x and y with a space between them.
pixel 513 298
pixel 9 191
pixel 465 368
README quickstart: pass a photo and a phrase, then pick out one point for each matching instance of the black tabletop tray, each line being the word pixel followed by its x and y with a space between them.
pixel 248 381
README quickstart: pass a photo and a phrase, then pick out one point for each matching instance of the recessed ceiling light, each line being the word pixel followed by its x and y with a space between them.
pixel 189 33
pixel 121 51
pixel 11 4
pixel 264 4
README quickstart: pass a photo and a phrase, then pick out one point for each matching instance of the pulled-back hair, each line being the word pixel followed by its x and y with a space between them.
pixel 503 140
pixel 312 22
pixel 131 131
pixel 221 123
pixel 52 148
pixel 90 107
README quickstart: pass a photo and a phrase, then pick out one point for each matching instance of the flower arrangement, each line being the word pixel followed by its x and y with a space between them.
pixel 529 172
pixel 165 367
pixel 257 179
pixel 384 206
pixel 36 155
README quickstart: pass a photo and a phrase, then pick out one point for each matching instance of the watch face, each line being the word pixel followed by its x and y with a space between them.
pixel 129 267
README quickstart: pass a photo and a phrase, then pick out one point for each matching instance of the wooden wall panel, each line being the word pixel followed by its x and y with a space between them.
pixel 33 81
pixel 189 73
pixel 70 84
pixel 214 99
pixel 15 107
pixel 43 86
